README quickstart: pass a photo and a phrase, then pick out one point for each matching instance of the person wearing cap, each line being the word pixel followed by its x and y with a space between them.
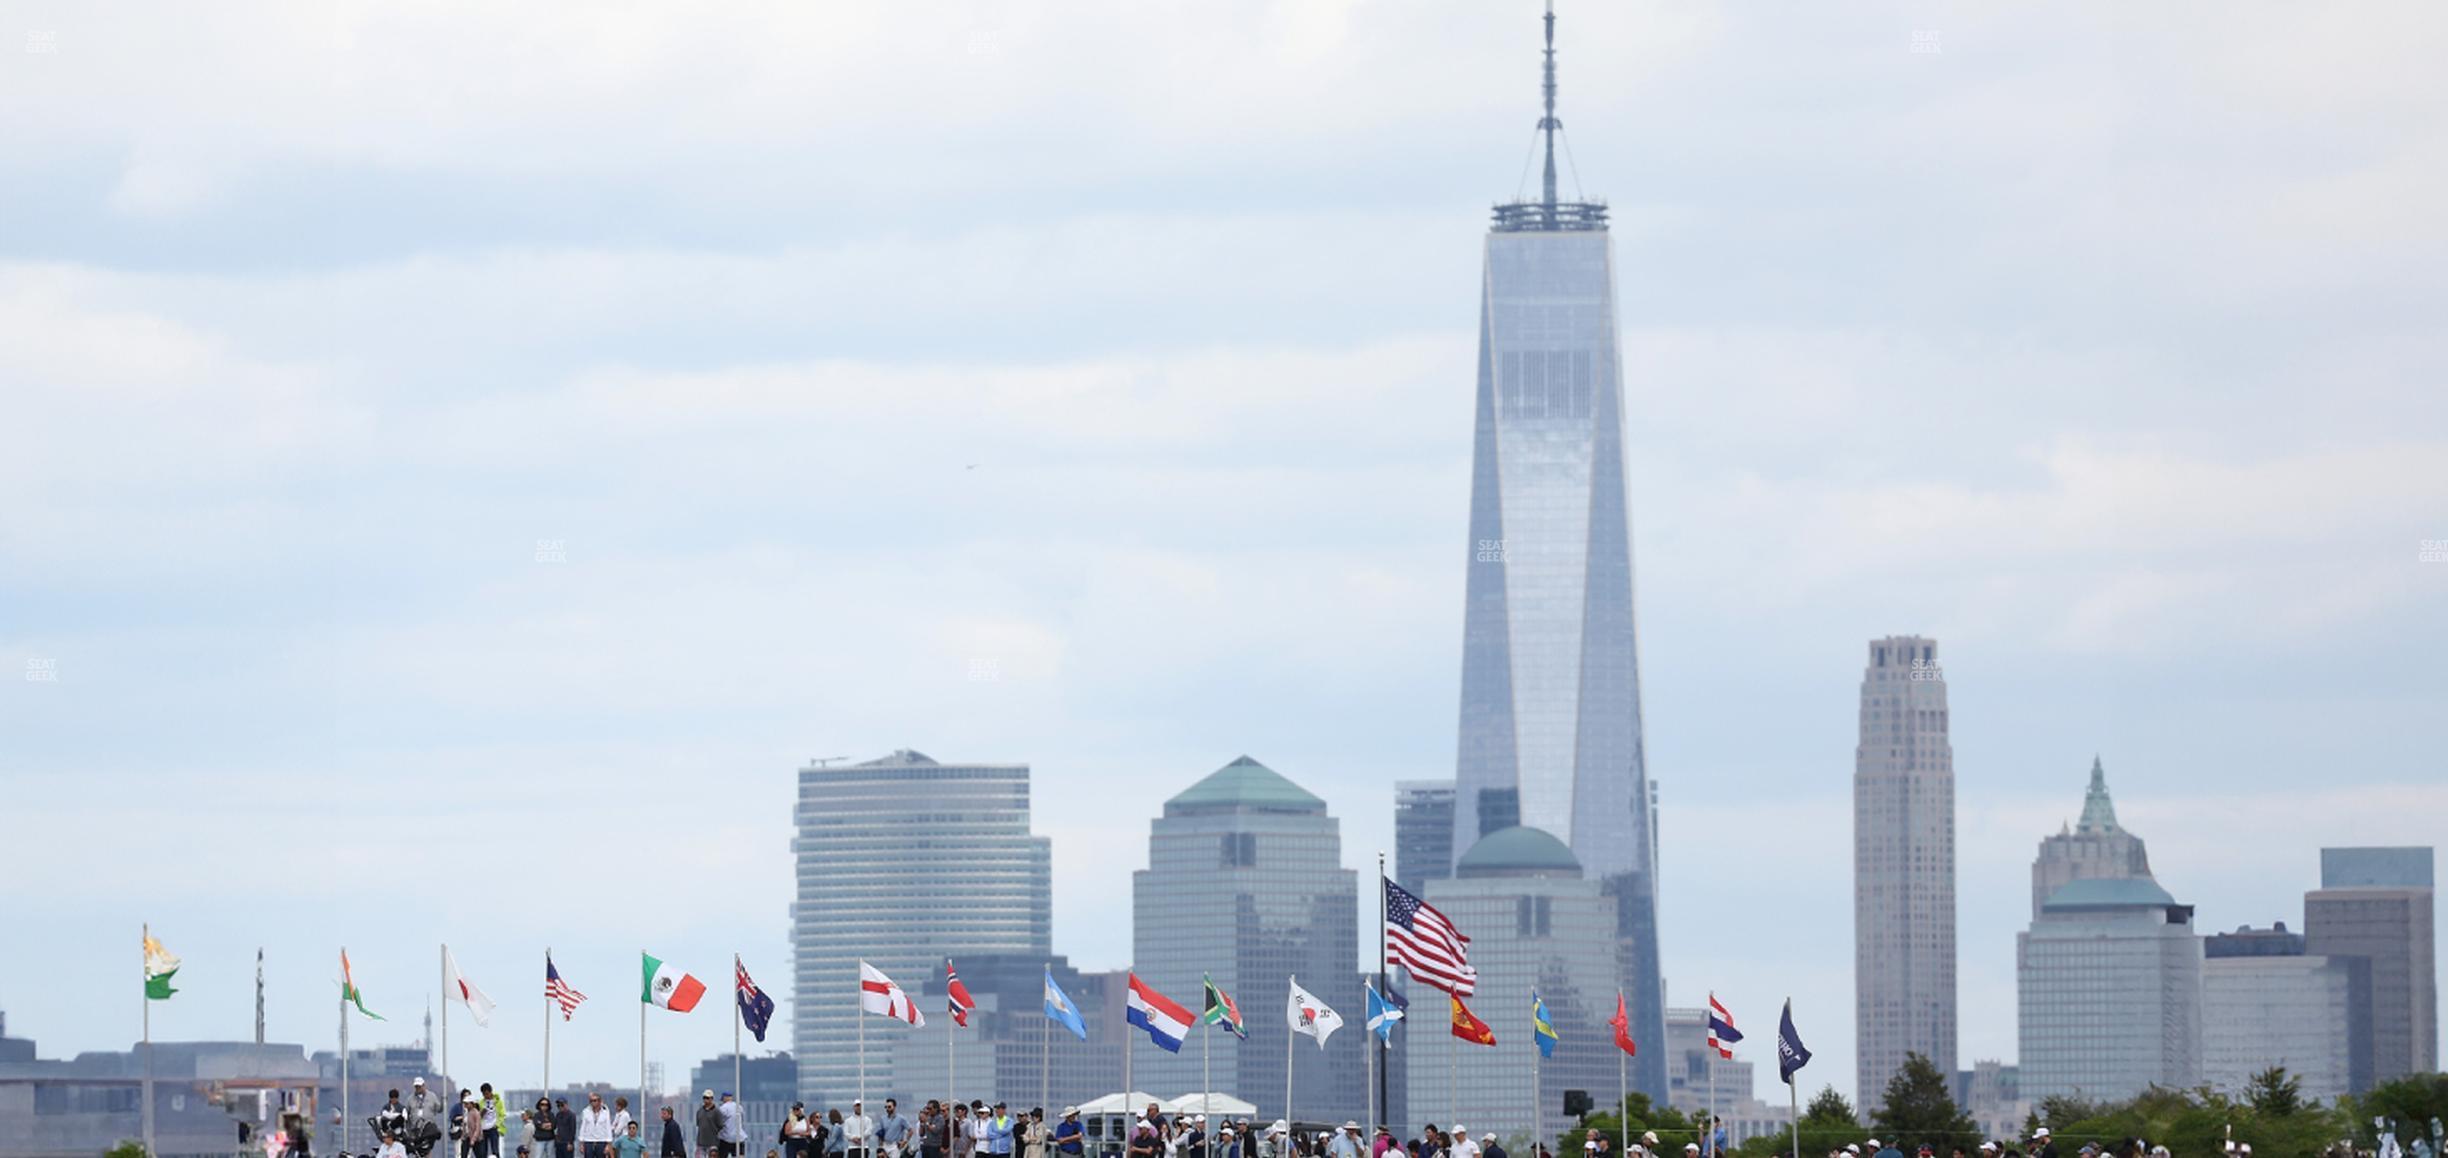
pixel 709 1124
pixel 1880 1149
pixel 1067 1134
pixel 734 1133
pixel 858 1131
pixel 565 1128
pixel 2041 1146
pixel 1461 1144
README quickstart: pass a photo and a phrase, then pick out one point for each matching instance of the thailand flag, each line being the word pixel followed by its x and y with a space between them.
pixel 1721 1032
pixel 1164 1021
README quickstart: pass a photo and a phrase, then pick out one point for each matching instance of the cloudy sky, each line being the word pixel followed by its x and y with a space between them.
pixel 457 462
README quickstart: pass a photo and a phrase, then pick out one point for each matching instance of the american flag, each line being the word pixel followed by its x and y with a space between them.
pixel 1721 1032
pixel 956 996
pixel 1420 939
pixel 558 990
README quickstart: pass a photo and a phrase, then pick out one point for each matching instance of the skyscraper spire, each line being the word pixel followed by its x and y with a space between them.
pixel 1548 124
pixel 2099 813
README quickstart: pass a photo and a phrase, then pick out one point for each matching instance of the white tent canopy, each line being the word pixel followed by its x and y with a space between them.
pixel 1130 1103
pixel 1211 1104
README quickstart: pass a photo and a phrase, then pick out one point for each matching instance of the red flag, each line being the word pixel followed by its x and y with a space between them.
pixel 1623 1026
pixel 1467 1025
pixel 956 995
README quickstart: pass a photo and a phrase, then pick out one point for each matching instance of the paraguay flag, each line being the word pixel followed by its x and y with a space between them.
pixel 1165 1022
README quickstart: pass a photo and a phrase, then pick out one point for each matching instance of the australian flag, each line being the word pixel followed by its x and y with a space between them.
pixel 1790 1054
pixel 756 1009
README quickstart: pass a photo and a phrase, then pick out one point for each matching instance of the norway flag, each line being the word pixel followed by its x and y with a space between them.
pixel 1165 1022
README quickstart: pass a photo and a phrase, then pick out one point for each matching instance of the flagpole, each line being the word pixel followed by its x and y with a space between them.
pixel 1708 1140
pixel 1206 1069
pixel 1381 1104
pixel 1289 1128
pixel 145 970
pixel 1538 1127
pixel 862 1041
pixel 1045 1063
pixel 548 1008
pixel 643 994
pixel 443 964
pixel 736 1088
pixel 344 1066
pixel 1623 1100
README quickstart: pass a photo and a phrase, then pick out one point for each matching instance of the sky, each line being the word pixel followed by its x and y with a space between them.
pixel 458 461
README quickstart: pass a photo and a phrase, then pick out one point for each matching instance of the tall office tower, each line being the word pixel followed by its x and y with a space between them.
pixel 1537 923
pixel 1245 883
pixel 1550 720
pixel 2266 1002
pixel 1423 832
pixel 2376 903
pixel 902 862
pixel 2093 848
pixel 1903 866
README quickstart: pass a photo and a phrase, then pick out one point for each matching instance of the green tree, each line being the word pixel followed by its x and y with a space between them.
pixel 1637 1115
pixel 1829 1108
pixel 2410 1102
pixel 1828 1122
pixel 131 1148
pixel 2275 1093
pixel 1919 1108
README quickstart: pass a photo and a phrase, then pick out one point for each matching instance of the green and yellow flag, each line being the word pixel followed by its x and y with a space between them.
pixel 160 967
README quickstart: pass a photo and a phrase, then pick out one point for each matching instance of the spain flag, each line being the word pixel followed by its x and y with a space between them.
pixel 1467 1025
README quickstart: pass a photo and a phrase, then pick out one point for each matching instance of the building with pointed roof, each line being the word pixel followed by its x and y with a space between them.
pixel 1550 722
pixel 2108 978
pixel 1245 884
pixel 2094 847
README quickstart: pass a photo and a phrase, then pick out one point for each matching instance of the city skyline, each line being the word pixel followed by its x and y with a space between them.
pixel 464 450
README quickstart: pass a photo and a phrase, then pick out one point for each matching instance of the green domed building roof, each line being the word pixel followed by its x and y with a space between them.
pixel 2108 893
pixel 1245 784
pixel 1517 851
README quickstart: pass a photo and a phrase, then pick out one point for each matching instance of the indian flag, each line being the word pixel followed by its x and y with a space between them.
pixel 668 987
pixel 160 967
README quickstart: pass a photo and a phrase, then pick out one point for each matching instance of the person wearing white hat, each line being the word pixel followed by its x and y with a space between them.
pixel 2041 1146
pixel 1464 1146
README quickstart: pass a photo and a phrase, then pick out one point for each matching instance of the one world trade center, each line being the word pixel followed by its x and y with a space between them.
pixel 1551 721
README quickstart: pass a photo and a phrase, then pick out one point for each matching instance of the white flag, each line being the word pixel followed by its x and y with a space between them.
pixel 479 1006
pixel 1310 1016
pixel 878 994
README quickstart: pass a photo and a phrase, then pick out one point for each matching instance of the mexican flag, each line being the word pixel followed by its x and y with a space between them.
pixel 668 987
pixel 159 967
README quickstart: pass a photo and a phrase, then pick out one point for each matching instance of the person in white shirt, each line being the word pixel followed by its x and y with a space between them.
pixel 594 1128
pixel 860 1131
pixel 391 1148
pixel 1464 1146
pixel 735 1127
pixel 620 1118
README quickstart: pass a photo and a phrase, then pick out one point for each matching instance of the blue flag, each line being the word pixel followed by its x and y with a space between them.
pixel 1790 1054
pixel 1058 1007
pixel 756 1009
pixel 1382 1014
pixel 1540 1028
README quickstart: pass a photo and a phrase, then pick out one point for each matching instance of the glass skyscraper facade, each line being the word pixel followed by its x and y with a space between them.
pixel 903 861
pixel 1550 714
pixel 2376 904
pixel 1245 883
pixel 1536 923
